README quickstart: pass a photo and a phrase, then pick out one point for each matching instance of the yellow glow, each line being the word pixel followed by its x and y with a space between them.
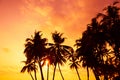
pixel 47 61
pixel 46 64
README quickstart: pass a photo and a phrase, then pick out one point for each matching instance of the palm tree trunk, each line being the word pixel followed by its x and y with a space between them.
pixel 87 73
pixel 60 72
pixel 35 72
pixel 78 73
pixel 31 76
pixel 47 71
pixel 54 71
pixel 96 75
pixel 41 71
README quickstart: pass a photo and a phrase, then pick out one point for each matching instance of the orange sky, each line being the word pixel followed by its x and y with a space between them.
pixel 20 18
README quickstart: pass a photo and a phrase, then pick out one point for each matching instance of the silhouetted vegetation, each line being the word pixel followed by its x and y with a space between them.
pixel 98 49
pixel 74 63
pixel 35 50
pixel 30 67
pixel 58 52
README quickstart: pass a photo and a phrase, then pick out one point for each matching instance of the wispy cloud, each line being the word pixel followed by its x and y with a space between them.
pixel 64 15
pixel 57 13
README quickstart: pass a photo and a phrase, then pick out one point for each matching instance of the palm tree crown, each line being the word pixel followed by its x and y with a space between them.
pixel 29 67
pixel 57 51
pixel 35 48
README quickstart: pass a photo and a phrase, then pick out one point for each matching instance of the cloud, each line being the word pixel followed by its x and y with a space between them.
pixel 57 14
pixel 67 16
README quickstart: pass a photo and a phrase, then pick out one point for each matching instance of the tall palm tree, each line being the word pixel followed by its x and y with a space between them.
pixel 110 23
pixel 35 50
pixel 86 46
pixel 83 56
pixel 58 52
pixel 74 64
pixel 92 48
pixel 29 67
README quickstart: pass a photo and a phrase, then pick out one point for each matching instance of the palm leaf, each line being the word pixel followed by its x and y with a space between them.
pixel 23 69
pixel 116 2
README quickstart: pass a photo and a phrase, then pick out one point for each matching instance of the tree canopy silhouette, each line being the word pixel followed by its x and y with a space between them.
pixel 30 67
pixel 99 47
pixel 35 48
pixel 58 51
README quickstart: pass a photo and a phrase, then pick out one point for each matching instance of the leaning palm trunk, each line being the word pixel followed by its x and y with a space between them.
pixel 54 71
pixel 31 76
pixel 60 72
pixel 35 72
pixel 39 62
pixel 87 73
pixel 47 71
pixel 78 73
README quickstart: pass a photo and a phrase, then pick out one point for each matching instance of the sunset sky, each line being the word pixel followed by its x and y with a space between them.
pixel 20 18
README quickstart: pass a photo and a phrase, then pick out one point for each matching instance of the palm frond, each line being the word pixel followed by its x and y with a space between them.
pixel 29 39
pixel 23 69
pixel 116 2
pixel 50 44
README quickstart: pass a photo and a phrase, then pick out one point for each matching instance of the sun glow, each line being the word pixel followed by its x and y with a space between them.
pixel 46 63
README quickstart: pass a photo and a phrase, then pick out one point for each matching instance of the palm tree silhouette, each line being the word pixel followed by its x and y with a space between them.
pixel 35 50
pixel 83 57
pixel 92 48
pixel 58 52
pixel 74 64
pixel 110 23
pixel 29 67
pixel 87 46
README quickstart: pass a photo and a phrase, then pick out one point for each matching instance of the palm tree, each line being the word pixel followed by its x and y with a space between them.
pixel 92 48
pixel 86 46
pixel 30 67
pixel 74 64
pixel 83 58
pixel 110 23
pixel 58 52
pixel 35 50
